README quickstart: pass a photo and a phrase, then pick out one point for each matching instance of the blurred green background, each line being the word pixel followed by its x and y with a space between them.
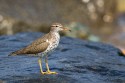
pixel 94 20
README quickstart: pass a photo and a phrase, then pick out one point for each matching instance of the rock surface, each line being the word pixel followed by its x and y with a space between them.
pixel 76 61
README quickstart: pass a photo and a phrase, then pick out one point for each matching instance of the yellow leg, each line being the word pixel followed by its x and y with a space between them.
pixel 40 64
pixel 47 66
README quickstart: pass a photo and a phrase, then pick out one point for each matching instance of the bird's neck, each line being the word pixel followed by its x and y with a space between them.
pixel 54 32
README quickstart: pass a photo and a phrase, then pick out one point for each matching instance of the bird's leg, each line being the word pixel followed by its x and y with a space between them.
pixel 40 64
pixel 47 66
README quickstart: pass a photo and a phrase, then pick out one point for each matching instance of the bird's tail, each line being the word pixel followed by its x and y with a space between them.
pixel 18 52
pixel 12 54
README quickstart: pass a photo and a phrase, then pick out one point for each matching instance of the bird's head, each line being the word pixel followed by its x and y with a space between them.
pixel 58 27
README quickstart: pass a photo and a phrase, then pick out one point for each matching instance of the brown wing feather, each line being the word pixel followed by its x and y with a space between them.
pixel 35 47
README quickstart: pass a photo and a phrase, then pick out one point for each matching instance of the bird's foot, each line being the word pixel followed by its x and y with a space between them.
pixel 43 73
pixel 49 72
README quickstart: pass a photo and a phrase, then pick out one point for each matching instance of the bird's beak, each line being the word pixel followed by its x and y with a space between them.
pixel 66 29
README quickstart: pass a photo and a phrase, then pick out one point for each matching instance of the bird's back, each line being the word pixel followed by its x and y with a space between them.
pixel 35 47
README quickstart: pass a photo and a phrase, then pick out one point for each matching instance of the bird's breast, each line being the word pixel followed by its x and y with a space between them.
pixel 53 43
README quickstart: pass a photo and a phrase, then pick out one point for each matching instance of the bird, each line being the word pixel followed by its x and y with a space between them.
pixel 43 46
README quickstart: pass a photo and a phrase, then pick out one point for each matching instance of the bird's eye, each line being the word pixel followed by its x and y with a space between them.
pixel 56 26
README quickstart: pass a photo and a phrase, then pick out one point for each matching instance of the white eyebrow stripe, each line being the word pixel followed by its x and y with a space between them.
pixel 60 26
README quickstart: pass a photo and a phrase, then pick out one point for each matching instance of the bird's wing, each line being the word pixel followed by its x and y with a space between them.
pixel 35 47
pixel 38 45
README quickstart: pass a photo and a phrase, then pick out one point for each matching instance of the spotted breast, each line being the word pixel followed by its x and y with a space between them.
pixel 53 43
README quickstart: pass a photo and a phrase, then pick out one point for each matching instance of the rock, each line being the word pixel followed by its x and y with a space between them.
pixel 75 60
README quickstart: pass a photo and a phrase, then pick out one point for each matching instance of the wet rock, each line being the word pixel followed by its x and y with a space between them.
pixel 76 61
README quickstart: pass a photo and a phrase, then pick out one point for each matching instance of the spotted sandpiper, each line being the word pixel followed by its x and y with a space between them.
pixel 43 45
